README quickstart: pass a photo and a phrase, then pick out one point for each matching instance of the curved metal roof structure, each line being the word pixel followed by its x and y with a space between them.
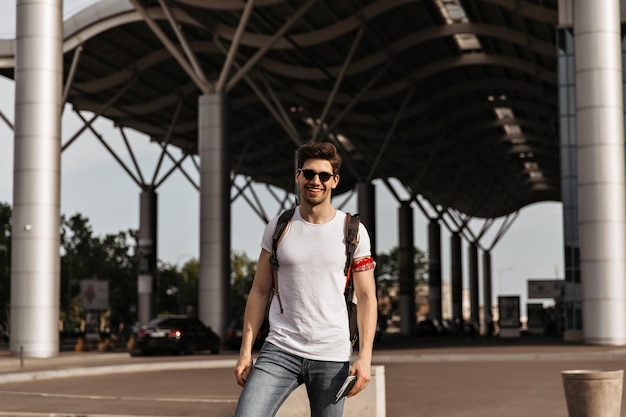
pixel 456 99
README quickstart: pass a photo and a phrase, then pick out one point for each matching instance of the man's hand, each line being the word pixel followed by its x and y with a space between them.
pixel 243 368
pixel 363 370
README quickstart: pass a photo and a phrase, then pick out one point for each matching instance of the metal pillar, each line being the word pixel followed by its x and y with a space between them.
pixel 147 254
pixel 35 260
pixel 434 270
pixel 473 282
pixel 214 286
pixel 367 209
pixel 406 266
pixel 487 297
pixel 601 173
pixel 456 275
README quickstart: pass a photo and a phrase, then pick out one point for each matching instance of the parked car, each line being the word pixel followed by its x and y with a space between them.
pixel 176 334
pixel 235 332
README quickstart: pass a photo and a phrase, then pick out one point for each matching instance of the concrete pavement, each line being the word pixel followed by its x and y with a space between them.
pixel 444 377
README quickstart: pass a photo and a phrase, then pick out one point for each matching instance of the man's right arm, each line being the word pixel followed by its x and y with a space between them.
pixel 256 308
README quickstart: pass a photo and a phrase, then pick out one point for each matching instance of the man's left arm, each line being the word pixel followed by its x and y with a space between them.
pixel 367 316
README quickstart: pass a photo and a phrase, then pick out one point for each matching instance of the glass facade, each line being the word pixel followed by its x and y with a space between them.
pixel 572 303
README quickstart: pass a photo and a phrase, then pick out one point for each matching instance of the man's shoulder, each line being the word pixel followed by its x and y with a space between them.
pixel 286 214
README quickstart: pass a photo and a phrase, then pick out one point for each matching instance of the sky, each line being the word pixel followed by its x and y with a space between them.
pixel 95 185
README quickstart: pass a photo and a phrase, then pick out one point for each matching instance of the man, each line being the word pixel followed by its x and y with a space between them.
pixel 308 342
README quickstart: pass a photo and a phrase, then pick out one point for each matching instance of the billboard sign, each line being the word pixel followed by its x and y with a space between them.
pixel 94 294
pixel 534 311
pixel 509 312
pixel 545 288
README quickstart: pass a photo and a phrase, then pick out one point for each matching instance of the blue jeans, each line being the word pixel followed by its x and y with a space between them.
pixel 277 373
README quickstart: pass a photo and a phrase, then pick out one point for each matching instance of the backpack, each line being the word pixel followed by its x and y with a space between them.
pixel 351 239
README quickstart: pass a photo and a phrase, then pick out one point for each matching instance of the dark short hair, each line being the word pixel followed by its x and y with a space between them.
pixel 319 150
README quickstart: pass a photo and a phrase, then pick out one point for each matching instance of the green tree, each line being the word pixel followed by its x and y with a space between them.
pixel 168 289
pixel 387 267
pixel 177 289
pixel 189 284
pixel 116 262
pixel 242 275
pixel 77 262
pixel 111 258
pixel 387 274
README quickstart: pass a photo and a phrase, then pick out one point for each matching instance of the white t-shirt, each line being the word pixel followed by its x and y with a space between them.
pixel 312 257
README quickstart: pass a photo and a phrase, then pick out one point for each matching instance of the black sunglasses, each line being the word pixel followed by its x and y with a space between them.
pixel 309 174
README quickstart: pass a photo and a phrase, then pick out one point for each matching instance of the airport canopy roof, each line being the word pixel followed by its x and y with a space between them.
pixel 455 99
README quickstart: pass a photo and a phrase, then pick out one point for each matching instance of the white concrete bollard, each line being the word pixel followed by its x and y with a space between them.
pixel 371 402
pixel 593 393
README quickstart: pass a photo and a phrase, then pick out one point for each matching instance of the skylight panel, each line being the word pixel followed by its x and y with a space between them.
pixel 452 12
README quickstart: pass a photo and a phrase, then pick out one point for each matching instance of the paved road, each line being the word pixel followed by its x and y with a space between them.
pixel 460 380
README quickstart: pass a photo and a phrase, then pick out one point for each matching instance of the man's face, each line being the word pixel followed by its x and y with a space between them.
pixel 314 191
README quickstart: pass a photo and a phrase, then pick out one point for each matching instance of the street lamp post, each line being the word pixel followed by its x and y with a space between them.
pixel 500 272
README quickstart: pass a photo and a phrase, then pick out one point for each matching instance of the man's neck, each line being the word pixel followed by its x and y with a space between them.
pixel 319 214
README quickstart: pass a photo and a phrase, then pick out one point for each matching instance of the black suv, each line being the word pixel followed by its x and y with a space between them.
pixel 176 334
pixel 235 332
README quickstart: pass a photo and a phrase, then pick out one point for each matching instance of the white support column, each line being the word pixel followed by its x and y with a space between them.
pixel 35 261
pixel 601 174
pixel 214 286
pixel 147 254
pixel 487 294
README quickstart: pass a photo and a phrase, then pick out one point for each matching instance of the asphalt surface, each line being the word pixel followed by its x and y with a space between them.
pixel 481 377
